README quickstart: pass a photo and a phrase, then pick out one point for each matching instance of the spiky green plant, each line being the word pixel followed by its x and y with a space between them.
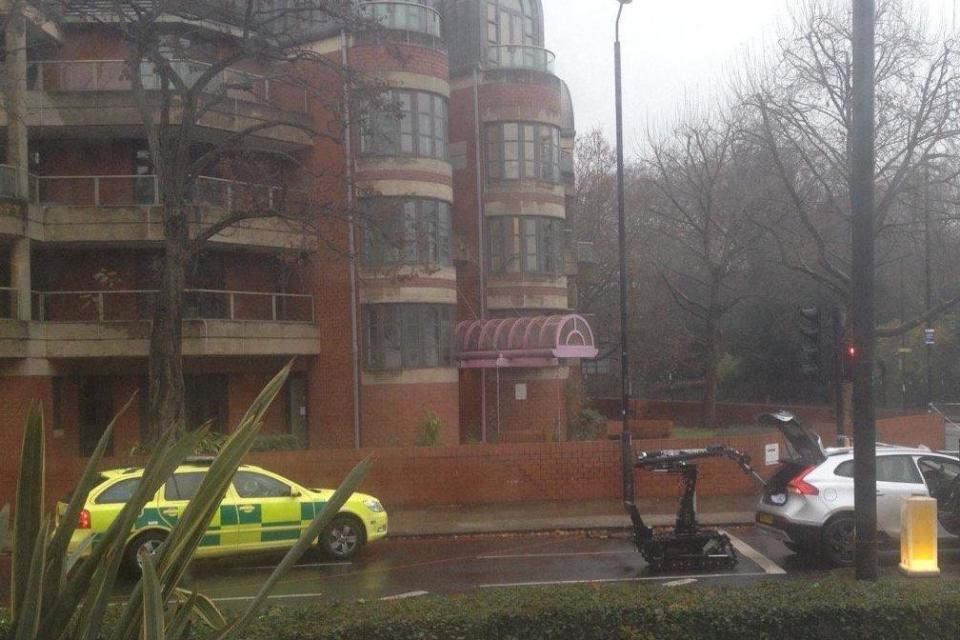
pixel 54 596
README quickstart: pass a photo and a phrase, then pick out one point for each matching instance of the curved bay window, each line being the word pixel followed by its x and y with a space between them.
pixel 406 123
pixel 400 231
pixel 513 22
pixel 528 244
pixel 407 336
pixel 523 151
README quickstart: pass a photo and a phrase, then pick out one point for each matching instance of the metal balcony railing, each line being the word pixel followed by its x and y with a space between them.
pixel 143 190
pixel 520 56
pixel 403 16
pixel 10 185
pixel 9 303
pixel 198 304
pixel 112 75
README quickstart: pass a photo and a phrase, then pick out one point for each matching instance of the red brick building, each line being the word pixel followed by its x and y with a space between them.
pixel 453 189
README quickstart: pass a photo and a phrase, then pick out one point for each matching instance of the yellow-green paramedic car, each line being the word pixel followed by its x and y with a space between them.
pixel 260 511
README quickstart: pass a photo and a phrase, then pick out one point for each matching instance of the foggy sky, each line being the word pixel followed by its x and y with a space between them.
pixel 673 50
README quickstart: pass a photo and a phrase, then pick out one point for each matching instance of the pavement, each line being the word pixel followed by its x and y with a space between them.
pixel 560 516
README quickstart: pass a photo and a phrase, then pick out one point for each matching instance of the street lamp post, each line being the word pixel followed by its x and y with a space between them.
pixel 625 440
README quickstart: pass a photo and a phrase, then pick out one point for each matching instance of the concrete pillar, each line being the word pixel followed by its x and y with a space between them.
pixel 20 278
pixel 15 33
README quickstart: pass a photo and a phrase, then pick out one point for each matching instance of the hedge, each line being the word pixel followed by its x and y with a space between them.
pixel 781 610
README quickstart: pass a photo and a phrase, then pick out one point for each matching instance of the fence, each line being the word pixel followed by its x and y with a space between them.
pixel 198 304
pixel 521 56
pixel 10 184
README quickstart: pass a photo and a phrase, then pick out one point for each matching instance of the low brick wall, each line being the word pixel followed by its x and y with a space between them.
pixel 482 474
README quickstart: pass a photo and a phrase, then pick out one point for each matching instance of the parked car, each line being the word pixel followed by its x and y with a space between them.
pixel 808 503
pixel 260 511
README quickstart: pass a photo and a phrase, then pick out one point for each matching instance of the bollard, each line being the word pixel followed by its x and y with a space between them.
pixel 918 537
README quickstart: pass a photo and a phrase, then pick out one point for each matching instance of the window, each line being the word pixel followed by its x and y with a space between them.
pixel 844 469
pixel 517 151
pixel 119 493
pixel 528 244
pixel 897 469
pixel 183 486
pixel 205 401
pixel 596 367
pixel 256 485
pixel 96 412
pixel 407 336
pixel 512 22
pixel 406 123
pixel 398 231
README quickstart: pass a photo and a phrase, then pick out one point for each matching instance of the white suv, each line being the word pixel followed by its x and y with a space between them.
pixel 808 503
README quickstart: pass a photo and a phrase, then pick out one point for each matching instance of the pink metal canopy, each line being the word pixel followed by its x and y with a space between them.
pixel 531 341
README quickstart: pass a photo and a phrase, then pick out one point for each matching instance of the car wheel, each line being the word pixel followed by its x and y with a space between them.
pixel 343 538
pixel 838 540
pixel 149 542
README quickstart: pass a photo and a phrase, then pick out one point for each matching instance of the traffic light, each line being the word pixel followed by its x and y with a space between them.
pixel 811 352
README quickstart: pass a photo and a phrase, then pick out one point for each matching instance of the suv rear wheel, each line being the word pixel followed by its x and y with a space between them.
pixel 837 541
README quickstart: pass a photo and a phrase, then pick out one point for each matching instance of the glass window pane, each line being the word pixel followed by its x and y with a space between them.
pixel 443 234
pixel 183 486
pixel 119 493
pixel 411 336
pixel 431 335
pixel 391 337
pixel 249 484
pixel 410 232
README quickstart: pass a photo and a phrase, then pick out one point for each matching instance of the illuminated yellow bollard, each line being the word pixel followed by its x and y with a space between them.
pixel 918 537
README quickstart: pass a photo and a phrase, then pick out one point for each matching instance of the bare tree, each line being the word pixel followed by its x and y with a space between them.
pixel 178 99
pixel 711 191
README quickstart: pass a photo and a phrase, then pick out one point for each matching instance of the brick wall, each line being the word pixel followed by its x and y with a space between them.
pixel 393 414
pixel 400 57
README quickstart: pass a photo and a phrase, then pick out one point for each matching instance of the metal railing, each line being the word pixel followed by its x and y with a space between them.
pixel 143 190
pixel 9 303
pixel 10 184
pixel 520 56
pixel 403 16
pixel 198 304
pixel 112 75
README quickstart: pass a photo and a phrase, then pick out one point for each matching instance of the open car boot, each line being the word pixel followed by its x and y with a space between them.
pixel 948 506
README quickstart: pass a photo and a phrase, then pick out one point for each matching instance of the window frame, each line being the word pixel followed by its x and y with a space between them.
pixel 417 110
pixel 428 241
pixel 418 336
pixel 517 151
pixel 514 249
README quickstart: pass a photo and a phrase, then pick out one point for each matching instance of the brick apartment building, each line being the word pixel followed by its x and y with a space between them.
pixel 453 293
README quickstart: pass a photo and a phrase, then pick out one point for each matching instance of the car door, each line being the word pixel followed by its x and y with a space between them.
pixel 268 510
pixel 177 492
pixel 942 478
pixel 897 479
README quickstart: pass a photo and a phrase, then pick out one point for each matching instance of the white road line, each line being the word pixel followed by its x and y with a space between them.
pixel 296 566
pixel 283 596
pixel 408 594
pixel 605 580
pixel 557 555
pixel 679 583
pixel 765 563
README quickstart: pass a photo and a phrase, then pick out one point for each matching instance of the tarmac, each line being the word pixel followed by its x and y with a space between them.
pixel 560 516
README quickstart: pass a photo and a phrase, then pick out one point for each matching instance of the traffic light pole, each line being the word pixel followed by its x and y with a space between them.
pixel 862 162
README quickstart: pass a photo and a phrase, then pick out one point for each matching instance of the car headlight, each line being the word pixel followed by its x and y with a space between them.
pixel 373 504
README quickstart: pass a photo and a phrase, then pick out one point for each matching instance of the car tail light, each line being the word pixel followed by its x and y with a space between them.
pixel 83 521
pixel 800 486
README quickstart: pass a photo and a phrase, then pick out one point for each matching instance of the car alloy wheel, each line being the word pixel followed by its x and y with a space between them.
pixel 342 538
pixel 838 541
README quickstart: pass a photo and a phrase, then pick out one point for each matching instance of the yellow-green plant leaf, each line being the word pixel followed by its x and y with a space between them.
pixel 152 600
pixel 181 617
pixel 77 554
pixel 4 527
pixel 202 606
pixel 27 618
pixel 97 597
pixel 28 516
pixel 330 509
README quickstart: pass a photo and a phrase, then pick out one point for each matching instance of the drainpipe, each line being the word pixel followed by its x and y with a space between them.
pixel 351 247
pixel 481 255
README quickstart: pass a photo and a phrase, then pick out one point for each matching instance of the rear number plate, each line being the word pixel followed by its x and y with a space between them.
pixel 764 518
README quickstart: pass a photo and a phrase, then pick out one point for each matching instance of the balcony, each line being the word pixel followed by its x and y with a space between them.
pixel 403 16
pixel 520 56
pixel 97 324
pixel 121 208
pixel 10 185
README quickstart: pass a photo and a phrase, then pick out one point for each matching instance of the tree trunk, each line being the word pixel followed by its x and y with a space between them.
pixel 166 406
pixel 712 360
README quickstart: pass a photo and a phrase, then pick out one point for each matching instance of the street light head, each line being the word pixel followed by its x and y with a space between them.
pixel 624 1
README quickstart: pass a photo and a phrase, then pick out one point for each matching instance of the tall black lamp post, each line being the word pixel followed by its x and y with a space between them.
pixel 626 449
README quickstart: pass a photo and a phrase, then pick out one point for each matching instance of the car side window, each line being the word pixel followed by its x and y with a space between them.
pixel 938 473
pixel 183 486
pixel 844 469
pixel 249 484
pixel 119 493
pixel 897 469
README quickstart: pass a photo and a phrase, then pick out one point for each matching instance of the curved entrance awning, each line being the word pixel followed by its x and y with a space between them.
pixel 531 341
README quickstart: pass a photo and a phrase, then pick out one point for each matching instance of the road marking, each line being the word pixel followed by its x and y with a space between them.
pixel 605 580
pixel 296 566
pixel 679 583
pixel 765 563
pixel 408 594
pixel 557 555
pixel 283 596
